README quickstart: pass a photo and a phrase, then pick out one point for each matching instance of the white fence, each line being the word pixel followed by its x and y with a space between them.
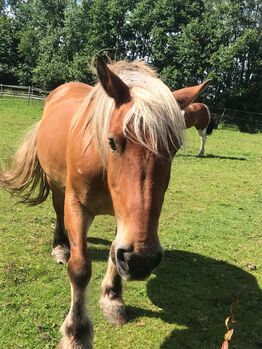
pixel 28 92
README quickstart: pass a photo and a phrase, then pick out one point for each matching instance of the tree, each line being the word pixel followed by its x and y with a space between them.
pixel 8 50
pixel 46 42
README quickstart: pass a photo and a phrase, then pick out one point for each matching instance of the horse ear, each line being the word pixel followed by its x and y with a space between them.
pixel 112 84
pixel 188 95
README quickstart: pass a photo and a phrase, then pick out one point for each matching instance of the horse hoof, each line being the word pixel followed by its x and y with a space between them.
pixel 67 344
pixel 118 317
pixel 114 311
pixel 61 254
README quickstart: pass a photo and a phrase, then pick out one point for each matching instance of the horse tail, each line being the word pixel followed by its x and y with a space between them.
pixel 24 173
pixel 212 123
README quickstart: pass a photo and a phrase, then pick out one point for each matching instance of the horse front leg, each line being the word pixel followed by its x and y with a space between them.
pixel 111 302
pixel 77 330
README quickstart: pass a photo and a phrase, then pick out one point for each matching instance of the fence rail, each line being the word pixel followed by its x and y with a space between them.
pixel 245 120
pixel 28 92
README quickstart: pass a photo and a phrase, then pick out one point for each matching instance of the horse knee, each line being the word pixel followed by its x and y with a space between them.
pixel 79 271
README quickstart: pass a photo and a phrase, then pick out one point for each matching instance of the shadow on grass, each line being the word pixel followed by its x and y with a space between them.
pixel 196 292
pixel 211 156
pixel 98 254
pixel 99 241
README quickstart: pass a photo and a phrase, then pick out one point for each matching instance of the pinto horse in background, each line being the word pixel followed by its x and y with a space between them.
pixel 105 149
pixel 198 115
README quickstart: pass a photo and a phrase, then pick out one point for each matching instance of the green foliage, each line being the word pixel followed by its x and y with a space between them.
pixel 46 43
pixel 8 49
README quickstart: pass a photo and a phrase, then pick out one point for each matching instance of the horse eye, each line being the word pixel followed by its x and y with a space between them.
pixel 112 144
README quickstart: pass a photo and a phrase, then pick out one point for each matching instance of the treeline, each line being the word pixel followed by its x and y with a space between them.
pixel 47 42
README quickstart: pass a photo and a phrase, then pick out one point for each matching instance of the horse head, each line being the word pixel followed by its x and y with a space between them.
pixel 142 139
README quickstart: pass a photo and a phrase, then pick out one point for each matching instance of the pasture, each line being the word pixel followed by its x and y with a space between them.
pixel 210 229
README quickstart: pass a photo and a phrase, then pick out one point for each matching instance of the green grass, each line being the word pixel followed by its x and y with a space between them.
pixel 210 229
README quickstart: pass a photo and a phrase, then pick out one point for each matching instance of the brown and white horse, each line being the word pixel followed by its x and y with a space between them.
pixel 198 115
pixel 103 150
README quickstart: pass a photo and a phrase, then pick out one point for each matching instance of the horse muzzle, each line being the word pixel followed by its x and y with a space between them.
pixel 133 265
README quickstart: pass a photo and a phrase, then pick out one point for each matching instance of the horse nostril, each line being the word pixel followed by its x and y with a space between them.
pixel 158 259
pixel 120 255
pixel 137 265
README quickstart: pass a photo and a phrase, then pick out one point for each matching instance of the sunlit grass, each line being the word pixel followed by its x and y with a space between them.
pixel 210 229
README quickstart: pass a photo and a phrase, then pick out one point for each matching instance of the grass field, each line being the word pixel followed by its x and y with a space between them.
pixel 210 229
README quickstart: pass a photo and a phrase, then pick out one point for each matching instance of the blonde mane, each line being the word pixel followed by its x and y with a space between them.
pixel 155 119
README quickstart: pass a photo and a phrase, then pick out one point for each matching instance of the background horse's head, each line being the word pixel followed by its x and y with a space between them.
pixel 142 135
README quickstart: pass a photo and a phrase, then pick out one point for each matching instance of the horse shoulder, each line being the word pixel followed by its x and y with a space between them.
pixel 60 107
pixel 86 178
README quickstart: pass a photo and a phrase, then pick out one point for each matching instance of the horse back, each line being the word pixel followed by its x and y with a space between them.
pixel 71 93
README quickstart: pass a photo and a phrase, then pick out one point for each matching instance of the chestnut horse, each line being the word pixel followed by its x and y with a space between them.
pixel 198 115
pixel 103 150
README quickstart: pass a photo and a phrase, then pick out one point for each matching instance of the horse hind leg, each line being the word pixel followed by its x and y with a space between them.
pixel 202 134
pixel 111 302
pixel 60 247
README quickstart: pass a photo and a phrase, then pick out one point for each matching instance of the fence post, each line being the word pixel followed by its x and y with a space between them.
pixel 222 116
pixel 29 95
pixel 1 90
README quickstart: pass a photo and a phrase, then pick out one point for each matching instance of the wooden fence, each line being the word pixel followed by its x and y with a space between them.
pixel 246 121
pixel 28 92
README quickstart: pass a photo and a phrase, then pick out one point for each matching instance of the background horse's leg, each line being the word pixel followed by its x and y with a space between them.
pixel 202 134
pixel 77 328
pixel 60 248
pixel 111 302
